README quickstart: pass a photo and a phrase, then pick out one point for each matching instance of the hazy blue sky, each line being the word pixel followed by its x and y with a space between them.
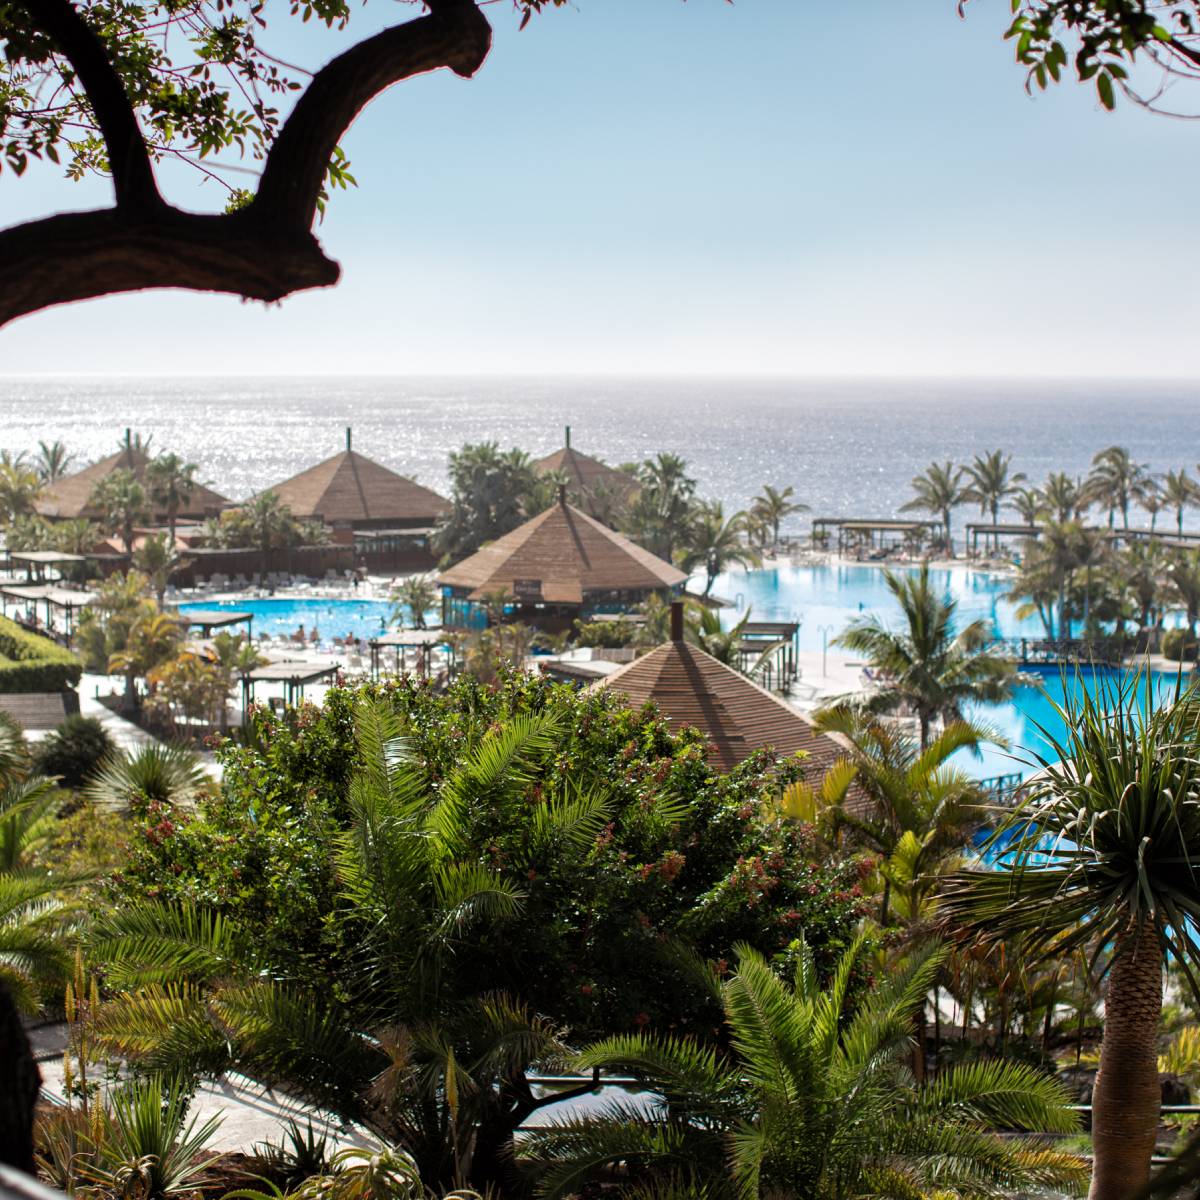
pixel 650 185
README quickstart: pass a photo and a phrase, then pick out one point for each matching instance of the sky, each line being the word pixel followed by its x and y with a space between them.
pixel 657 187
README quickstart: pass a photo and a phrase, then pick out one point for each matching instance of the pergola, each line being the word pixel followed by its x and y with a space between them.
pixel 54 599
pixel 208 619
pixel 974 530
pixel 760 636
pixel 294 675
pixel 37 562
pixel 421 640
pixel 857 529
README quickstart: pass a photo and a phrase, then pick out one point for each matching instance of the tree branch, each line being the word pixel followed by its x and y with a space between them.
pixel 74 39
pixel 263 252
pixel 78 256
pixel 455 34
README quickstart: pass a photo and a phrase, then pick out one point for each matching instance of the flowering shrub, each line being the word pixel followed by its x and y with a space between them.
pixel 689 861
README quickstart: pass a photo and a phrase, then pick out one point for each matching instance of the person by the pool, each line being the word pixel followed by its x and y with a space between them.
pixel 298 636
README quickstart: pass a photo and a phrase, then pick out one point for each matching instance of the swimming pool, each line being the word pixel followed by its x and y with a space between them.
pixel 331 617
pixel 824 598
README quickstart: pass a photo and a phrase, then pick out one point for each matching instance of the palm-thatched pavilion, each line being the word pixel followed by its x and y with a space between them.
pixel 691 688
pixel 595 486
pixel 70 497
pixel 557 567
pixel 387 516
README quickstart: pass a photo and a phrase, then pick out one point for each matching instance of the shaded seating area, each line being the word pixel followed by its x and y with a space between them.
pixel 994 533
pixel 295 676
pixel 38 562
pixel 209 619
pixel 422 641
pixel 559 566
pixel 47 608
pixel 872 537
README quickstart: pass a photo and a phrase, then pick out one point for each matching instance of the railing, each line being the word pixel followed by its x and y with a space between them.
pixel 1002 788
pixel 1057 651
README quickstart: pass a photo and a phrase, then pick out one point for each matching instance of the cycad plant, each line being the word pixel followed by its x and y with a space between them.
pixel 1104 855
pixel 812 1098
pixel 412 1049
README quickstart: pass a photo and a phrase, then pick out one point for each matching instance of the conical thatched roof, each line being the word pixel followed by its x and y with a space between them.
pixel 691 687
pixel 567 554
pixel 585 474
pixel 351 489
pixel 70 497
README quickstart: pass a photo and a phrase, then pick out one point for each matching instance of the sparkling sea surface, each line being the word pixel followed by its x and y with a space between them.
pixel 848 447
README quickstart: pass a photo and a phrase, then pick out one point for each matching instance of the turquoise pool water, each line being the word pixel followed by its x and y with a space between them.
pixel 332 618
pixel 829 596
pixel 825 598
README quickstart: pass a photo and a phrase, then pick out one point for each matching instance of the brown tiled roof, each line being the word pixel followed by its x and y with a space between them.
pixel 583 472
pixel 351 487
pixel 690 687
pixel 69 497
pixel 568 553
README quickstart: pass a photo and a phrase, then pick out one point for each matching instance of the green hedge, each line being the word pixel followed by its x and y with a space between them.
pixel 29 663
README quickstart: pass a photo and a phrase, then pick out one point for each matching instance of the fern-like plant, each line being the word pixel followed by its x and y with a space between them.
pixel 813 1099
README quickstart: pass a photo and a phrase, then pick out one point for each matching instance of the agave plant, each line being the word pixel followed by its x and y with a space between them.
pixel 812 1099
pixel 140 1143
pixel 1104 855
pixel 166 774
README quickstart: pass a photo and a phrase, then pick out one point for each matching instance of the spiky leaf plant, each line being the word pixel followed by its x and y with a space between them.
pixel 814 1098
pixel 1104 854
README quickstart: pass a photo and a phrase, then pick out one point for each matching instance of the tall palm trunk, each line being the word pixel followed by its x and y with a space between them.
pixel 1126 1097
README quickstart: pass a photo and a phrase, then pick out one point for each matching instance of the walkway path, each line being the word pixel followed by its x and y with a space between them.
pixel 125 734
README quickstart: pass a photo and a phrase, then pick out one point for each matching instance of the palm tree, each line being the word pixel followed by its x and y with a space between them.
pixel 415 596
pixel 158 560
pixel 411 1052
pixel 1180 492
pixel 1065 498
pixel 19 490
pixel 1152 499
pixel 1104 855
pixel 774 506
pixel 149 639
pixel 76 536
pixel 170 483
pixel 1116 481
pixel 939 490
pixel 991 483
pixel 927 667
pixel 1029 504
pixel 53 459
pixel 122 504
pixel 914 794
pixel 660 513
pixel 33 952
pixel 269 525
pixel 811 1099
pixel 716 542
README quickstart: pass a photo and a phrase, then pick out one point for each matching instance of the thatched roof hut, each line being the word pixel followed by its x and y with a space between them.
pixel 70 497
pixel 560 563
pixel 351 491
pixel 590 482
pixel 690 687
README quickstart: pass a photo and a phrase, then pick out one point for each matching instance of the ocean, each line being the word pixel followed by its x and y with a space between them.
pixel 847 447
